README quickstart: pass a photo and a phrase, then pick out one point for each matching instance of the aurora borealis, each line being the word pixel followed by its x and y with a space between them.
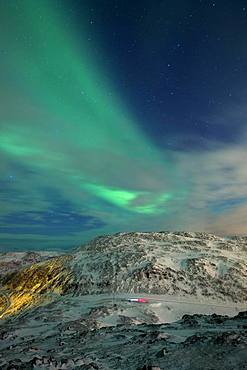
pixel 117 116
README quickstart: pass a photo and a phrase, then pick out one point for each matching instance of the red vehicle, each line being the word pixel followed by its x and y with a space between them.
pixel 138 300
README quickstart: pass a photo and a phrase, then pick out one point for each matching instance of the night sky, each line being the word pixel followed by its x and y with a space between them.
pixel 121 115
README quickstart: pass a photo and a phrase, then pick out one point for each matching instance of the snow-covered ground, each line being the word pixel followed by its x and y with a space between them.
pixel 107 332
pixel 72 310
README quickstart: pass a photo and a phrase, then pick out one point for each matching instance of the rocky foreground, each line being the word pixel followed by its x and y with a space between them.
pixel 66 311
pixel 72 333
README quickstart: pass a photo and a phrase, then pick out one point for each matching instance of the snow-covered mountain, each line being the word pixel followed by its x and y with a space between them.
pixel 71 310
pixel 185 264
pixel 194 264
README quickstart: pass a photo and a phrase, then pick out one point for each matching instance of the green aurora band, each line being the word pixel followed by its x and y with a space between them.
pixel 67 123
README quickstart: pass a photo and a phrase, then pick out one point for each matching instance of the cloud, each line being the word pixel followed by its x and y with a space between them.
pixel 218 189
pixel 232 222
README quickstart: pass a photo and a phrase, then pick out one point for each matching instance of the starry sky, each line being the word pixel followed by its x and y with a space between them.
pixel 121 115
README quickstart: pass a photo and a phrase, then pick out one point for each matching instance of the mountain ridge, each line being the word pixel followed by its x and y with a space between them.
pixel 196 264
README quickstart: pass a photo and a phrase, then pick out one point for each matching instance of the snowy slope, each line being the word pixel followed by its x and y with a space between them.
pixel 198 265
pixel 93 333
pixel 69 311
pixel 188 264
